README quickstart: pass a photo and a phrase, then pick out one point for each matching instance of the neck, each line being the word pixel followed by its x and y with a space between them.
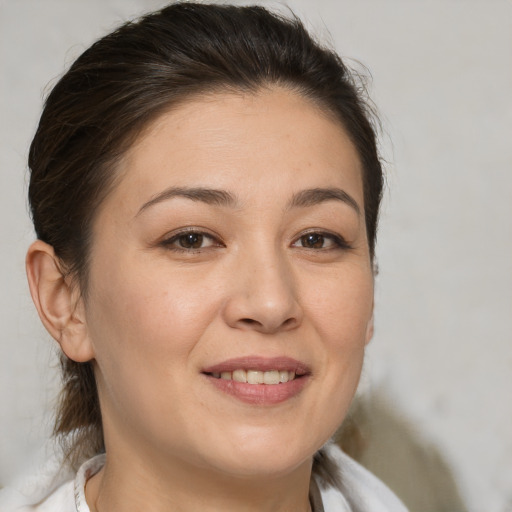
pixel 133 483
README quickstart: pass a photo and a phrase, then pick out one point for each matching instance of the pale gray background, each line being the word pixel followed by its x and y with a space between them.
pixel 442 353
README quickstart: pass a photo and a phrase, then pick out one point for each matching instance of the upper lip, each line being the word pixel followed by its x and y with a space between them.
pixel 258 363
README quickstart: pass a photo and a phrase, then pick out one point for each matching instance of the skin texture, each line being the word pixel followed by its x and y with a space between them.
pixel 158 314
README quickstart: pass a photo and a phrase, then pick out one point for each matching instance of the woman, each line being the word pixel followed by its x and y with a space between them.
pixel 205 187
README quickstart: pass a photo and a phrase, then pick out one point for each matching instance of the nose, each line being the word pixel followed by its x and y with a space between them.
pixel 263 296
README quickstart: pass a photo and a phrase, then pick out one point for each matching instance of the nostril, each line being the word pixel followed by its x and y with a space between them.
pixel 288 322
pixel 249 321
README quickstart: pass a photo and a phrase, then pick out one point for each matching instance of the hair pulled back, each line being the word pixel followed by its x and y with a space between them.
pixel 123 82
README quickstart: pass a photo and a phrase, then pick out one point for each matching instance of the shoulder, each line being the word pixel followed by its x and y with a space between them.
pixel 60 500
pixel 44 476
pixel 49 488
pixel 24 498
pixel 359 491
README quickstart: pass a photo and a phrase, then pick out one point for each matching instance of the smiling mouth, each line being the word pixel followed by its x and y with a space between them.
pixel 271 377
pixel 259 381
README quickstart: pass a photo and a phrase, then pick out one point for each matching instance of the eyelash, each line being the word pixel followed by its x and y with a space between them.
pixel 171 242
pixel 338 241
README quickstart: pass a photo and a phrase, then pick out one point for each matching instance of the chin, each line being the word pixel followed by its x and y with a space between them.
pixel 266 454
pixel 264 467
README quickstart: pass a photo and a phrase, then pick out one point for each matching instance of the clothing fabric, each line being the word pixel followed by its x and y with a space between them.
pixel 51 490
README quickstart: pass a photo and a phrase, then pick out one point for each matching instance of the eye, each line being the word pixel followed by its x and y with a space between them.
pixel 191 240
pixel 312 241
pixel 320 241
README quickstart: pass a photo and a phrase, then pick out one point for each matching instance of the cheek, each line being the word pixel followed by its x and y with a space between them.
pixel 144 328
pixel 341 308
pixel 341 313
pixel 145 333
pixel 143 297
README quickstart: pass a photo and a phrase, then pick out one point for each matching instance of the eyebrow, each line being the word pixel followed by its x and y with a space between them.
pixel 313 196
pixel 217 197
pixel 206 195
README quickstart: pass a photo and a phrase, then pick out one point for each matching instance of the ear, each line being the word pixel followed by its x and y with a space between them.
pixel 369 329
pixel 58 302
pixel 370 326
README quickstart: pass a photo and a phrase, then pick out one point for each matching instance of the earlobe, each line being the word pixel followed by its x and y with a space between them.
pixel 57 302
pixel 370 326
pixel 369 330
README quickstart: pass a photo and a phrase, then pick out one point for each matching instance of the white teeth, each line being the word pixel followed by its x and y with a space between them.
pixel 271 377
pixel 256 377
pixel 240 375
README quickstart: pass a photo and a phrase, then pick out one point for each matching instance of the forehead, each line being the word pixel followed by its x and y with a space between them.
pixel 268 141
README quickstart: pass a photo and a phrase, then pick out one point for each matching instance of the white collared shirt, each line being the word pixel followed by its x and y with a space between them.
pixel 52 490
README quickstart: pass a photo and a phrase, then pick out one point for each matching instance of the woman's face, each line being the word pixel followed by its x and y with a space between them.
pixel 233 249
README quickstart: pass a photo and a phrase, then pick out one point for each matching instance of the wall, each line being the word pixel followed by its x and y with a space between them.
pixel 440 364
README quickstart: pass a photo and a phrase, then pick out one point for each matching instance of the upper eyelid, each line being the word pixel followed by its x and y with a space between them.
pixel 336 238
pixel 183 231
pixel 319 231
pixel 174 235
pixel 171 238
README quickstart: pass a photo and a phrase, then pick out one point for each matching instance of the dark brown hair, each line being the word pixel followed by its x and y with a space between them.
pixel 123 82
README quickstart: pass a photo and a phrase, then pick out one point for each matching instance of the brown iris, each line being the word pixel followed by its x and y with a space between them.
pixel 312 241
pixel 191 240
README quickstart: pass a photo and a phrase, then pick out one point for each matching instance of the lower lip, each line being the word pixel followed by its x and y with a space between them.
pixel 260 394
